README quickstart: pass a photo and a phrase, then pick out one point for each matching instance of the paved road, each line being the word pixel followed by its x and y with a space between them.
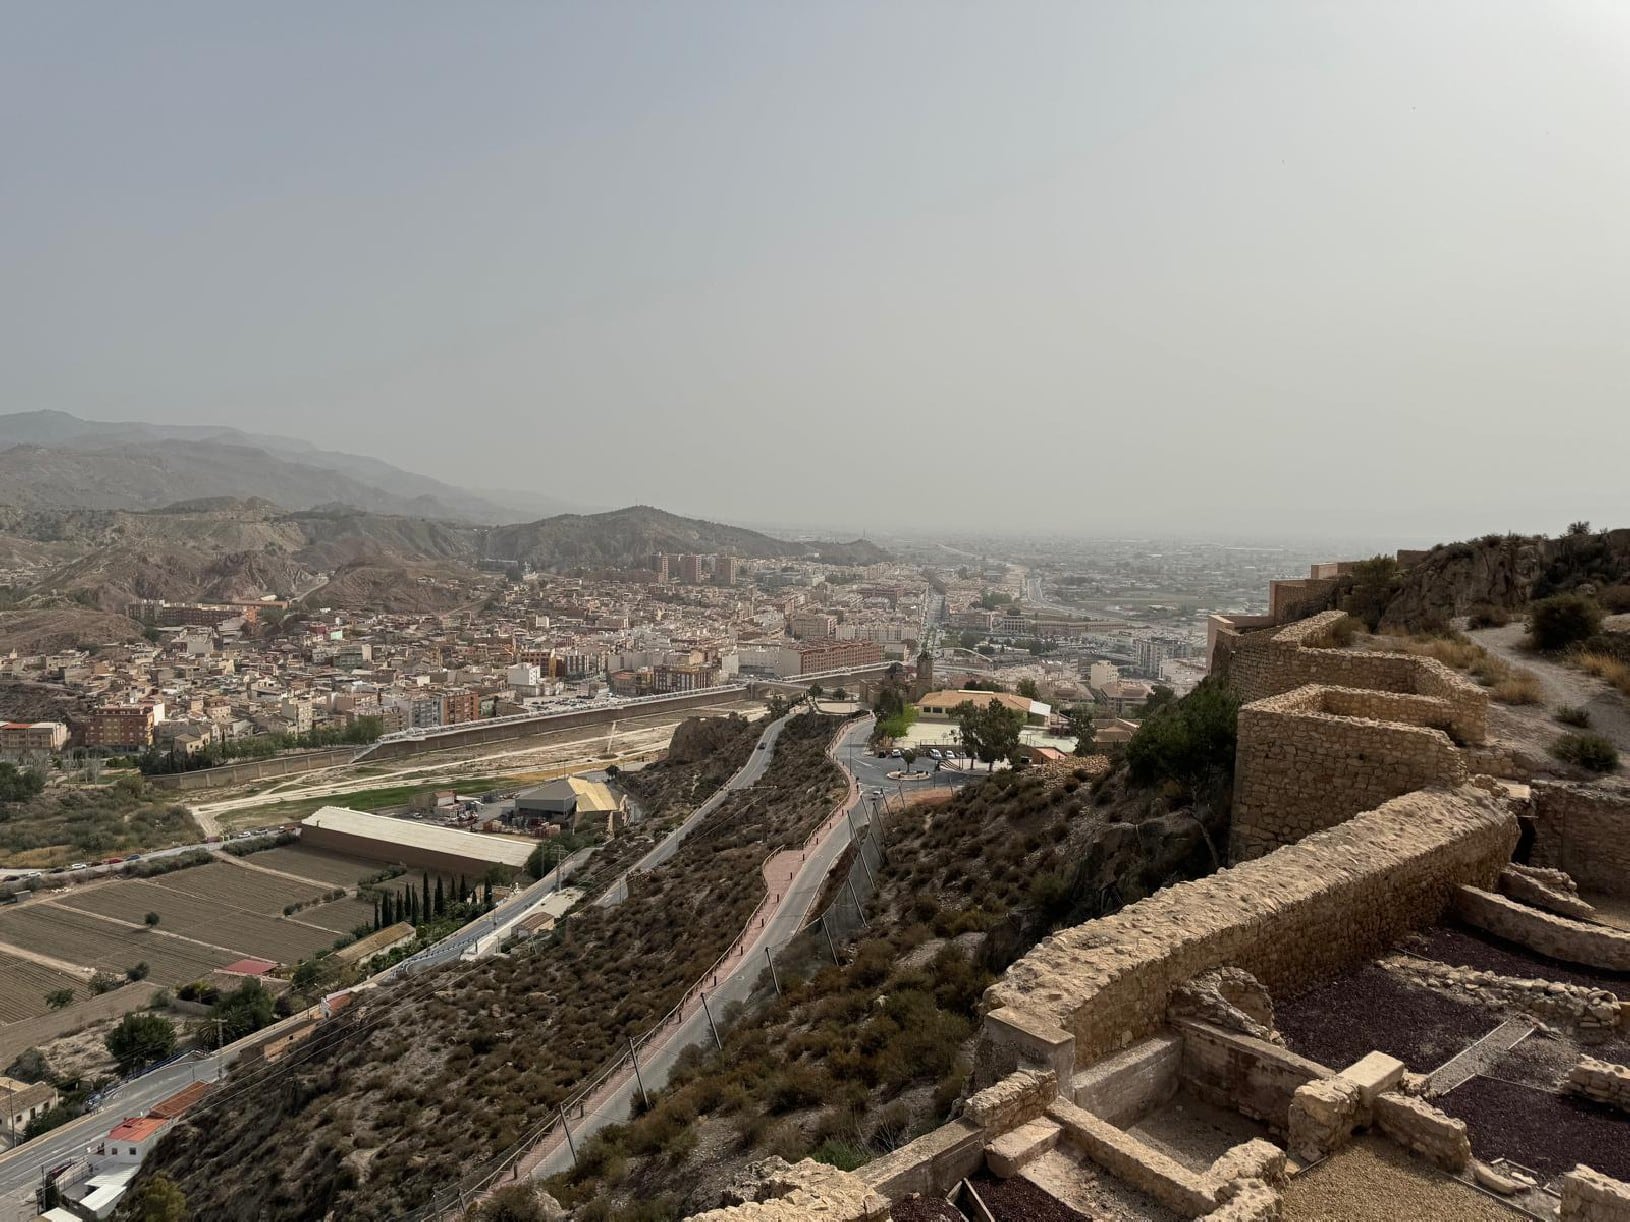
pixel 748 775
pixel 20 1168
pixel 735 985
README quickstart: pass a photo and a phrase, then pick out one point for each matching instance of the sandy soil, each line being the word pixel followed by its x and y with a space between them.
pixel 1375 1181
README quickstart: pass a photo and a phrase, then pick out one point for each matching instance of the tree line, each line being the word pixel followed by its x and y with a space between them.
pixel 157 760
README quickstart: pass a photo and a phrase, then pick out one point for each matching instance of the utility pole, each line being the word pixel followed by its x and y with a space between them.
pixel 717 1042
pixel 570 1144
pixel 634 1057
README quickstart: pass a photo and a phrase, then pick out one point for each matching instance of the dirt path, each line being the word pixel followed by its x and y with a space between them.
pixel 61 965
pixel 1564 687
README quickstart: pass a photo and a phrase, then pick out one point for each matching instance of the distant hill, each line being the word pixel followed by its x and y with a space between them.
pixel 229 548
pixel 624 538
pixel 56 460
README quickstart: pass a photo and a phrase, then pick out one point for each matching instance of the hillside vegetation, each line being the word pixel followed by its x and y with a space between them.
pixel 853 1061
pixel 416 1085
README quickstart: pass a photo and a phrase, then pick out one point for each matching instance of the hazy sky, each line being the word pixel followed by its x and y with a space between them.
pixel 1347 267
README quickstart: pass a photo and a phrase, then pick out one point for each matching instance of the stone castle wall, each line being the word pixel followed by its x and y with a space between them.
pixel 1274 661
pixel 1293 918
pixel 1314 757
pixel 1584 830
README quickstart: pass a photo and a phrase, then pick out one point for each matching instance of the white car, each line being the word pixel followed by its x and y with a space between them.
pixel 933 754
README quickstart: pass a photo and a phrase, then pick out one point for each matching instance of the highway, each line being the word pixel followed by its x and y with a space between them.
pixel 746 776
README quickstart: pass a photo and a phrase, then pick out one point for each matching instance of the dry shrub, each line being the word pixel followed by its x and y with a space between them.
pixel 1605 666
pixel 1519 687
pixel 1616 599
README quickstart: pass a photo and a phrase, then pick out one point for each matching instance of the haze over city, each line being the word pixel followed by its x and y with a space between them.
pixel 1182 268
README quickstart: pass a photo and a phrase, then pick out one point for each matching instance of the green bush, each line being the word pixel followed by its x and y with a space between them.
pixel 1590 751
pixel 140 1040
pixel 1562 620
pixel 1578 718
pixel 1190 741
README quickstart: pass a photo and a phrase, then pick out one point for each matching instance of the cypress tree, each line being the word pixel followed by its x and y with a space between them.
pixel 426 908
pixel 441 898
pixel 377 925
pixel 486 895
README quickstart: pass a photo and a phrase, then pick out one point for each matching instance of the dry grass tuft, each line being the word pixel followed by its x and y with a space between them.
pixel 1521 687
pixel 1506 683
pixel 1605 666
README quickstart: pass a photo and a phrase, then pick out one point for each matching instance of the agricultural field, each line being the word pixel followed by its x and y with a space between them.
pixel 236 886
pixel 317 865
pixel 24 984
pixel 204 920
pixel 338 916
pixel 79 937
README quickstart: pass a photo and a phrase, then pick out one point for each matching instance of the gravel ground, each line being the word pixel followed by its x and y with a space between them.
pixel 1065 1175
pixel 1195 1133
pixel 1018 1200
pixel 1341 1020
pixel 1375 1181
pixel 1543 1060
pixel 1540 1129
pixel 924 1209
pixel 1461 947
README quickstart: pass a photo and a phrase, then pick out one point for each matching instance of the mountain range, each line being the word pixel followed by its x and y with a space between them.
pixel 54 460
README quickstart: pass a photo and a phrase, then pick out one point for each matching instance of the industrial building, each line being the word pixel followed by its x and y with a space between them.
pixel 572 802
pixel 416 845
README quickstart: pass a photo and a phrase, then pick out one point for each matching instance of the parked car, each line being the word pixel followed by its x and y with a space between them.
pixel 933 753
pixel 897 754
pixel 80 865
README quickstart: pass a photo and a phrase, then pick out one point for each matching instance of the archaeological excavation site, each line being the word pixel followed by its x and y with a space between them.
pixel 1406 995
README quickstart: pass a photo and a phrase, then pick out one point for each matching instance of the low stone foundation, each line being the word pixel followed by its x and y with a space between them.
pixel 1128 1086
pixel 1248 1075
pixel 1602 1081
pixel 1418 1126
pixel 1589 1196
pixel 1545 933
pixel 1548 890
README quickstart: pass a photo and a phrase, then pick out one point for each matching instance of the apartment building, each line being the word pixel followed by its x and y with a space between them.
pixel 118 727
pixel 20 737
pixel 814 657
pixel 812 625
pixel 726 571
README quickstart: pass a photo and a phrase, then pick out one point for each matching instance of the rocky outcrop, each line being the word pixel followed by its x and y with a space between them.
pixel 1503 571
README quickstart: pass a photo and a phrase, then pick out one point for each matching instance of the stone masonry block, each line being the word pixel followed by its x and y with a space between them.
pixel 1322 1116
pixel 1007 1154
pixel 1374 1073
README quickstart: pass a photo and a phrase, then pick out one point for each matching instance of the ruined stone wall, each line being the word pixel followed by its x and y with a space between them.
pixel 1584 830
pixel 1268 663
pixel 1293 918
pixel 1545 933
pixel 1313 757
